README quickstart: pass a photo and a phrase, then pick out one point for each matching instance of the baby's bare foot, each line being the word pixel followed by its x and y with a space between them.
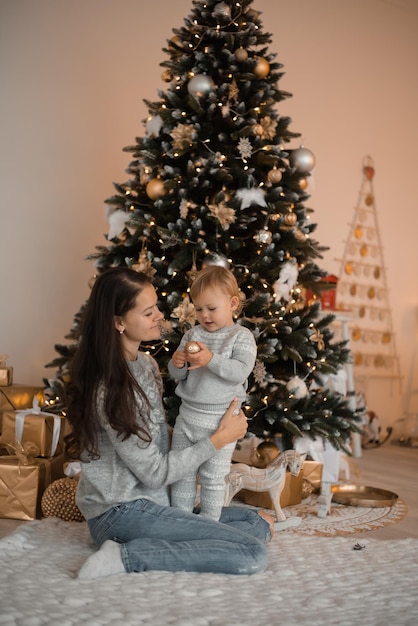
pixel 269 519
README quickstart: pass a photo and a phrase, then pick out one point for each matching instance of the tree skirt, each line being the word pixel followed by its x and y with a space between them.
pixel 317 580
pixel 343 519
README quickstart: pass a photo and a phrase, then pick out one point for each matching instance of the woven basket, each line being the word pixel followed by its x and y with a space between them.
pixel 58 500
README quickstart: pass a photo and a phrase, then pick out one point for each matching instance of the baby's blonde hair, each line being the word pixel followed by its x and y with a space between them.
pixel 217 276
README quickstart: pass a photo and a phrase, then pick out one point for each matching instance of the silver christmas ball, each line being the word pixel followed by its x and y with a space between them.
pixel 222 10
pixel 200 85
pixel 297 387
pixel 302 159
pixel 192 347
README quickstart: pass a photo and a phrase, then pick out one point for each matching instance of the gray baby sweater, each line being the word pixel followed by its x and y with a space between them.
pixel 131 469
pixel 225 376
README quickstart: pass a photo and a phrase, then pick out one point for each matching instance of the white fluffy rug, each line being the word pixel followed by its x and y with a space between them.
pixel 312 580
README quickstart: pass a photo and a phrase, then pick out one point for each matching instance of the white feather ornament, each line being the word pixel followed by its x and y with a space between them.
pixel 117 220
pixel 251 196
pixel 153 126
pixel 288 278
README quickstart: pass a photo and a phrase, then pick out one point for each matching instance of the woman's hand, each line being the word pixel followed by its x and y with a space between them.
pixel 231 427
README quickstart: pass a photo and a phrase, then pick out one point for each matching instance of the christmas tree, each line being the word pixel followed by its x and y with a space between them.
pixel 212 182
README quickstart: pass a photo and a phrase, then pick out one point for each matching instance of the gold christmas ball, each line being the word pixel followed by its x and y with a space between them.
pixel 274 176
pixel 303 183
pixel 241 54
pixel 369 199
pixel 192 347
pixel 177 41
pixel 262 67
pixel 167 76
pixel 155 189
pixel 299 235
pixel 290 218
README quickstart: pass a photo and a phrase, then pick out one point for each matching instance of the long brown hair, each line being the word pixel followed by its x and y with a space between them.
pixel 99 364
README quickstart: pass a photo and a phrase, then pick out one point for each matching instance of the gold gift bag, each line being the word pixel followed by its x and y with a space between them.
pixel 23 482
pixel 21 487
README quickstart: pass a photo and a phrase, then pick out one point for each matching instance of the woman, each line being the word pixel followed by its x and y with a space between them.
pixel 121 437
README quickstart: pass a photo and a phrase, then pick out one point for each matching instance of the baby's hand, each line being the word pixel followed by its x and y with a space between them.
pixel 179 359
pixel 201 358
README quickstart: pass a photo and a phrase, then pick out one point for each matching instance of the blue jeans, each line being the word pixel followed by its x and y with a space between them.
pixel 155 537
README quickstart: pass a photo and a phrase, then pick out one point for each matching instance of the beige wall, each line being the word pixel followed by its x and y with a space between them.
pixel 73 76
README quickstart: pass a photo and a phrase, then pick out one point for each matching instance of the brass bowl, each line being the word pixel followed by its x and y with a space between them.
pixel 359 495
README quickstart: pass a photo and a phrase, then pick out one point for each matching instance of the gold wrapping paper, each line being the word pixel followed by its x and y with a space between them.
pixel 37 428
pixel 6 375
pixel 312 472
pixel 6 372
pixel 22 486
pixel 291 494
pixel 16 397
pixel 56 468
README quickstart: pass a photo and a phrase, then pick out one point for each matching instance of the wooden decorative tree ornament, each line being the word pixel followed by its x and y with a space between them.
pixel 271 479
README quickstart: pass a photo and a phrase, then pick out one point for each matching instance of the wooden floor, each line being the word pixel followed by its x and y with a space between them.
pixel 394 468
pixel 390 467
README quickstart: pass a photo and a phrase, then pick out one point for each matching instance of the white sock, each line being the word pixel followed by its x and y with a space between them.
pixel 105 562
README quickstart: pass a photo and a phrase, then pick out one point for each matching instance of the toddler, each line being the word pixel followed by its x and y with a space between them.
pixel 221 354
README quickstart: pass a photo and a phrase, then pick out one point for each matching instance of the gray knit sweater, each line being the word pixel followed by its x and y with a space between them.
pixel 214 387
pixel 131 469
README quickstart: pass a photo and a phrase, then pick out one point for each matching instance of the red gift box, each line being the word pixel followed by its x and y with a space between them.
pixel 328 292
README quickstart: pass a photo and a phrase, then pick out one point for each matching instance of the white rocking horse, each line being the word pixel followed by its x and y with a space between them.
pixel 270 479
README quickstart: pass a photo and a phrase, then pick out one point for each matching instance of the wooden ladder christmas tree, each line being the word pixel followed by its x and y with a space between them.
pixel 362 290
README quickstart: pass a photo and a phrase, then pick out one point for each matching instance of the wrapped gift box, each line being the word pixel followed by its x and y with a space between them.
pixel 6 375
pixel 15 397
pixel 22 485
pixel 312 472
pixel 291 494
pixel 328 293
pixel 43 429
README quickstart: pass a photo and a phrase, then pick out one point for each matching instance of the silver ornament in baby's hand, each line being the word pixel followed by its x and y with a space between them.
pixel 192 347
